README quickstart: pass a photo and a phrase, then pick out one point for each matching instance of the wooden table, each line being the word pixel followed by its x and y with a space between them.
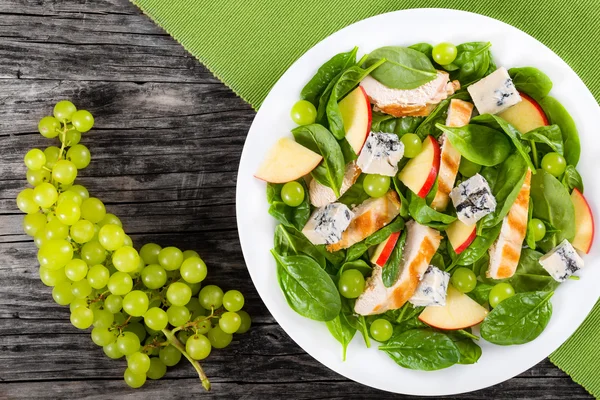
pixel 165 153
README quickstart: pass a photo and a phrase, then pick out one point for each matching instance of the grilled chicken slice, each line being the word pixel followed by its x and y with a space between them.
pixel 369 217
pixel 506 251
pixel 321 195
pixel 459 114
pixel 417 102
pixel 421 244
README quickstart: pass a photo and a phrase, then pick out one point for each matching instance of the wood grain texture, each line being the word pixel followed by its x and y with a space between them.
pixel 165 152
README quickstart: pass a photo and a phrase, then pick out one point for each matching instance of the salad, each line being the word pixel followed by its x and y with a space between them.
pixel 427 200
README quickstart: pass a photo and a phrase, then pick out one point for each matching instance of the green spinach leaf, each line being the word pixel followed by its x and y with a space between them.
pixel 572 180
pixel 531 81
pixel 290 216
pixel 481 293
pixel 470 352
pixel 478 143
pixel 549 135
pixel 439 115
pixel 404 68
pixel 324 98
pixel 355 195
pixel 291 242
pixel 342 330
pixel 530 276
pixel 359 265
pixel 355 251
pixel 390 124
pixel 529 235
pixel 425 215
pixel 391 269
pixel 473 61
pixel 558 115
pixel 422 349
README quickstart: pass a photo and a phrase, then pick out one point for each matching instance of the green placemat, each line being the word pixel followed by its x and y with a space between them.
pixel 249 44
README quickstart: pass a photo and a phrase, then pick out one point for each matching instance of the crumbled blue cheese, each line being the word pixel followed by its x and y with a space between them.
pixel 381 154
pixel 494 93
pixel 432 288
pixel 562 261
pixel 473 199
pixel 326 224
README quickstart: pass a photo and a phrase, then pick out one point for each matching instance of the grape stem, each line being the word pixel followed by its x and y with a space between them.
pixel 177 344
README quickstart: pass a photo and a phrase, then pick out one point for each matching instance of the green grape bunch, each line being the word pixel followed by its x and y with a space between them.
pixel 148 306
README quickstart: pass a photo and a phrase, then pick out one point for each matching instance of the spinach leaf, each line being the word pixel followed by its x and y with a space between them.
pixel 552 203
pixel 422 349
pixel 308 289
pixel 439 115
pixel 361 326
pixel 424 48
pixel 549 135
pixel 478 143
pixel 290 216
pixel 290 242
pixel 481 293
pixel 347 151
pixel 491 176
pixel 342 330
pixel 404 68
pixel 355 195
pixel 518 319
pixel 391 269
pixel 359 265
pixel 483 241
pixel 336 258
pixel 470 352
pixel 326 73
pixel 324 98
pixel 529 235
pixel 438 261
pixel 355 251
pixel 531 81
pixel 390 124
pixel 399 186
pixel 330 172
pixel 425 215
pixel 473 61
pixel 530 276
pixel 558 115
pixel 572 180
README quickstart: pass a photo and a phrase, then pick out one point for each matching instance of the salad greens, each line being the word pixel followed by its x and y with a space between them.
pixel 557 114
pixel 289 216
pixel 473 61
pixel 478 143
pixel 391 269
pixel 531 81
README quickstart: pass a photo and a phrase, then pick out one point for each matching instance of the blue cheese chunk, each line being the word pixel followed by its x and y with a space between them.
pixel 562 261
pixel 432 288
pixel 381 154
pixel 326 224
pixel 494 93
pixel 473 199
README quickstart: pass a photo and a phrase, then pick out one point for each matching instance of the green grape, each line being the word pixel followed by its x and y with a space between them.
pixel 230 322
pixel 52 277
pixel 134 380
pixel 82 317
pixel 149 253
pixel 81 191
pixel 500 292
pixel 113 303
pixel 170 258
pixel 169 355
pixel 49 127
pixel 157 369
pixel 68 212
pixel 76 269
pixel 198 347
pixel 78 303
pixel 44 195
pixel 69 196
pixel 190 253
pixel 195 288
pixel 82 120
pixel 98 276
pixel 120 283
pixel 103 318
pixel 103 337
pixel 81 289
pixel 193 270
pixel 246 322
pixel 535 225
pixel 554 164
pixel 34 223
pixel 93 210
pixel 154 276
pixel 40 238
pixel 211 296
pixel 56 230
pixel 71 137
pixel 151 351
pixel 93 253
pixel 351 283
pixel 183 336
pixel 412 145
pixel 55 254
pixel 128 242
pixel 195 308
pixel 110 219
pixel 303 112
pixel 218 338
pixel 135 303
pixel 35 178
pixel 381 330
pixel 111 237
pixel 376 185
pixel 64 110
pixel 82 231
pixel 292 194
pixel 233 300
pixel 204 326
pixel 138 363
pixel 444 53
pixel 178 315
pixel 128 343
pixel 61 293
pixel 52 153
pixel 112 350
pixel 179 294
pixel 26 201
pixel 125 259
pixel 35 159
pixel 464 279
pixel 64 171
pixel 79 155
pixel 156 318
pixel 468 168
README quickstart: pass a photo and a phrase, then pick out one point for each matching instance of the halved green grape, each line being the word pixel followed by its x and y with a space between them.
pixel 93 253
pixel 230 322
pixel 170 258
pixel 464 279
pixel 554 164
pixel 44 195
pixel 69 196
pixel 125 259
pixel 303 112
pixel 35 178
pixel 198 347
pixel 135 303
pixel 233 300
pixel 93 210
pixel 178 315
pixel 190 253
pixel 444 53
pixel 55 254
pixel 112 350
pixel 292 194
pixel 149 253
pixel 49 127
pixel 179 294
pixel 68 212
pixel 381 330
pixel 500 292
pixel 218 338
pixel 468 168
pixel 246 322
pixel 81 289
pixel 156 318
pixel 376 185
pixel 34 223
pixel 35 159
pixel 52 277
pixel 81 191
pixel 82 231
pixel 64 171
pixel 79 155
pixel 134 380
pixel 128 343
pixel 157 369
pixel 64 110
pixel 71 137
pixel 98 276
pixel 138 363
pixel 113 303
pixel 154 276
pixel 103 318
pixel 82 120
pixel 211 296
pixel 76 269
pixel 112 237
pixel 103 337
pixel 193 270
pixel 412 145
pixel 351 283
pixel 169 355
pixel 82 317
pixel 78 303
pixel 56 230
pixel 61 293
pixel 51 153
pixel 537 226
pixel 26 201
pixel 120 283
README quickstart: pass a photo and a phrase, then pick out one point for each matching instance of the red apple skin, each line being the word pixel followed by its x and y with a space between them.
pixel 467 242
pixel 537 106
pixel 387 250
pixel 435 167
pixel 589 210
pixel 370 114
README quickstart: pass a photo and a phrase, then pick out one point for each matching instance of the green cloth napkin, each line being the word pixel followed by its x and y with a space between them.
pixel 249 44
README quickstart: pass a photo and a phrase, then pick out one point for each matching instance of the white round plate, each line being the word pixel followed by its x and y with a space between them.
pixel 511 47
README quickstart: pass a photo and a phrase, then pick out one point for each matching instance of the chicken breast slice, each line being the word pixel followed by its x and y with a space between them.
pixel 506 251
pixel 459 114
pixel 418 102
pixel 369 217
pixel 422 243
pixel 321 195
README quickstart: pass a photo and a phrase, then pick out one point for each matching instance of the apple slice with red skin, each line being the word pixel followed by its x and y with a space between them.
pixel 384 250
pixel 460 312
pixel 356 114
pixel 584 222
pixel 287 161
pixel 419 173
pixel 461 235
pixel 525 115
